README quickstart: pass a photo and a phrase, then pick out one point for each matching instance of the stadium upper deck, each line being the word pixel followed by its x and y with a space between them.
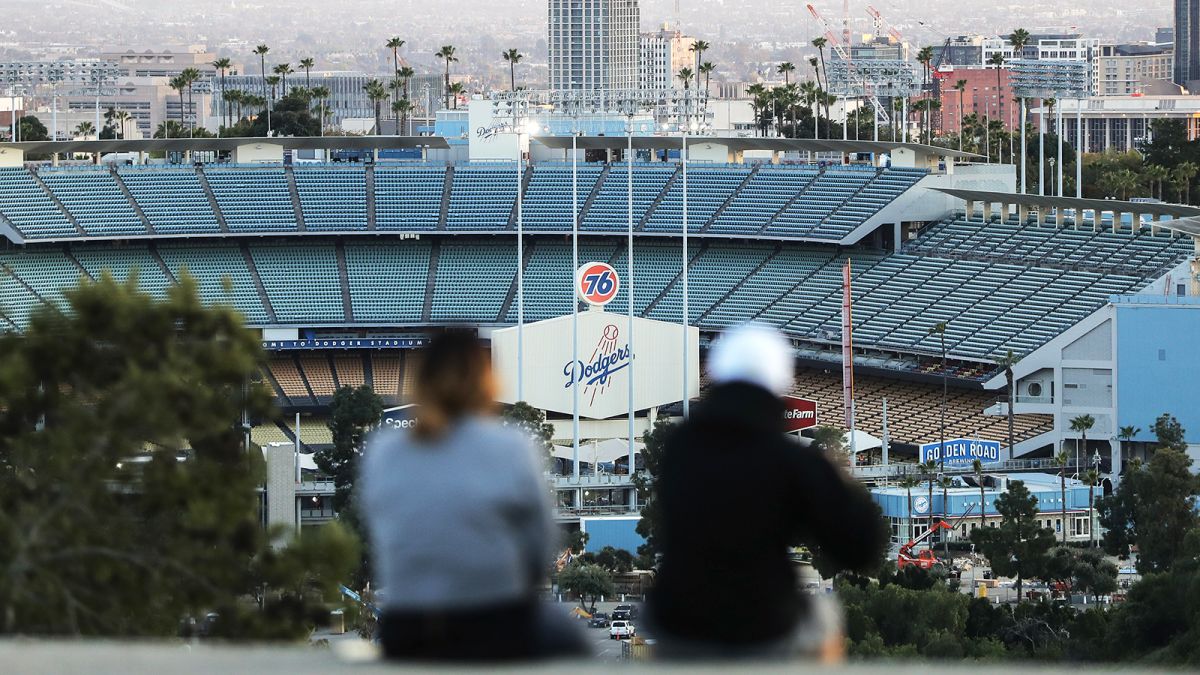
pixel 410 245
pixel 761 201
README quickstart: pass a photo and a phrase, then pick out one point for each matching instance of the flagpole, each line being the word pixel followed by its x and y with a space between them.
pixel 574 300
pixel 683 158
pixel 629 291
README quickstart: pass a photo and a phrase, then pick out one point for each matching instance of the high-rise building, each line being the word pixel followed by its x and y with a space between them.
pixel 594 44
pixel 1187 41
pixel 663 54
pixel 1126 70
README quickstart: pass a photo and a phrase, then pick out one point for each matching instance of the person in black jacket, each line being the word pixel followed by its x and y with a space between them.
pixel 735 492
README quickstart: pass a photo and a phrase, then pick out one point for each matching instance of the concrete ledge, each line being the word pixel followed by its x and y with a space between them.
pixel 56 657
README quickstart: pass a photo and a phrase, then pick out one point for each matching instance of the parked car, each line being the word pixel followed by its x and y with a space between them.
pixel 621 630
pixel 631 611
pixel 620 615
pixel 598 620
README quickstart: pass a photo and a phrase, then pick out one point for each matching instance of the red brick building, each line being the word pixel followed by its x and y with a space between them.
pixel 980 97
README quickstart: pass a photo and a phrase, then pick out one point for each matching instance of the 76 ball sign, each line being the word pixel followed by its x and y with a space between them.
pixel 596 283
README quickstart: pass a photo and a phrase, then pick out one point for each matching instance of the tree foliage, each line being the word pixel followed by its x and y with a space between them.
pixel 353 413
pixel 652 455
pixel 615 560
pixel 1154 508
pixel 588 581
pixel 532 421
pixel 128 490
pixel 1018 547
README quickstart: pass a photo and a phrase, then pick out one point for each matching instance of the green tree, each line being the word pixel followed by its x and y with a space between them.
pixel 353 413
pixel 908 483
pixel 532 421
pixel 32 129
pixel 654 441
pixel 129 492
pixel 786 69
pixel 615 560
pixel 685 76
pixel 457 89
pixel 1091 479
pixel 1007 361
pixel 977 469
pixel 1062 460
pixel 831 441
pixel 290 116
pixel 706 69
pixel 820 43
pixel 261 51
pixel 1169 433
pixel 446 53
pixel 512 57
pixel 1094 574
pixel 1018 546
pixel 588 581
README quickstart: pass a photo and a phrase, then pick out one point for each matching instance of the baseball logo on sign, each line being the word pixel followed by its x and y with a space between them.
pixel 597 283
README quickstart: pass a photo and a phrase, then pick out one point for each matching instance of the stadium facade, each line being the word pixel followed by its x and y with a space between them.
pixel 345 267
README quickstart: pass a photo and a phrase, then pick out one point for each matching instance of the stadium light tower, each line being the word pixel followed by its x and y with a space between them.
pixel 574 300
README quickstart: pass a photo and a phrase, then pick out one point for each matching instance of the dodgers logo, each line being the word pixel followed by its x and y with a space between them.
pixel 596 374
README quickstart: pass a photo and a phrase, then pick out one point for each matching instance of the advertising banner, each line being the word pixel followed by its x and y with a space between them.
pixel 799 413
pixel 961 452
pixel 606 357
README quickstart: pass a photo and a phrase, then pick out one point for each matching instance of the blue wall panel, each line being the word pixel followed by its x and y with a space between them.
pixel 615 532
pixel 1158 366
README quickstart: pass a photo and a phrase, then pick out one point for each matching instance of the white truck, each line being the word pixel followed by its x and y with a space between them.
pixel 621 630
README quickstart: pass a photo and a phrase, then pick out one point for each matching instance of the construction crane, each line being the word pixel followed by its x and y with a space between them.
pixel 926 559
pixel 879 23
pixel 851 71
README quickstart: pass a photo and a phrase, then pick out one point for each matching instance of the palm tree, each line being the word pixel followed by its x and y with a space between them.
pixel 758 94
pixel 190 77
pixel 273 81
pixel 816 109
pixel 1091 479
pixel 1019 38
pixel 1007 362
pixel 1062 459
pixel 908 483
pixel 925 58
pixel 376 92
pixel 446 53
pixel 1082 424
pixel 1181 177
pixel 169 129
pixel 961 87
pixel 321 93
pixel 85 129
pixel 223 64
pixel 457 89
pixel 1125 435
pixel 698 48
pixel 262 50
pixel 231 103
pixel 977 467
pixel 706 69
pixel 685 76
pixel 929 469
pixel 307 64
pixel 178 83
pixel 820 43
pixel 513 57
pixel 394 44
pixel 786 69
pixel 406 74
pixel 283 70
pixel 997 60
pixel 402 108
pixel 1154 175
pixel 121 117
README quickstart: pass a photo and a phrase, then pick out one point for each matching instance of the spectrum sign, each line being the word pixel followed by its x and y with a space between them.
pixel 799 413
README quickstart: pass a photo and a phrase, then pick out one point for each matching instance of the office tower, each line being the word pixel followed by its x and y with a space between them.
pixel 594 44
pixel 1187 41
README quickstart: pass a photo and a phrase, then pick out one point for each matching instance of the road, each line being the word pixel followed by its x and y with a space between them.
pixel 603 647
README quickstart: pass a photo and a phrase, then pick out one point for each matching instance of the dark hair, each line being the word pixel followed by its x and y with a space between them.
pixel 454 379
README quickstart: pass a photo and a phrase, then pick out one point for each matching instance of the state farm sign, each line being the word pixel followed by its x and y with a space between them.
pixel 799 413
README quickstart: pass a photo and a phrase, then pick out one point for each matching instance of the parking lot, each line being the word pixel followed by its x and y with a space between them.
pixel 603 647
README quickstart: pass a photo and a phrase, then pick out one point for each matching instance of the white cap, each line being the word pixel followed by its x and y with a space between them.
pixel 753 354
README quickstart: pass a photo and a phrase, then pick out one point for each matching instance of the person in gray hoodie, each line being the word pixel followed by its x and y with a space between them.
pixel 460 522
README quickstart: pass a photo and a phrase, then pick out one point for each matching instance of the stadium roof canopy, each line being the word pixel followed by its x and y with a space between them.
pixel 1188 226
pixel 230 144
pixel 741 144
pixel 1116 206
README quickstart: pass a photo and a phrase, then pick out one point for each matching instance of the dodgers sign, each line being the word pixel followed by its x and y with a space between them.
pixel 961 452
pixel 596 283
